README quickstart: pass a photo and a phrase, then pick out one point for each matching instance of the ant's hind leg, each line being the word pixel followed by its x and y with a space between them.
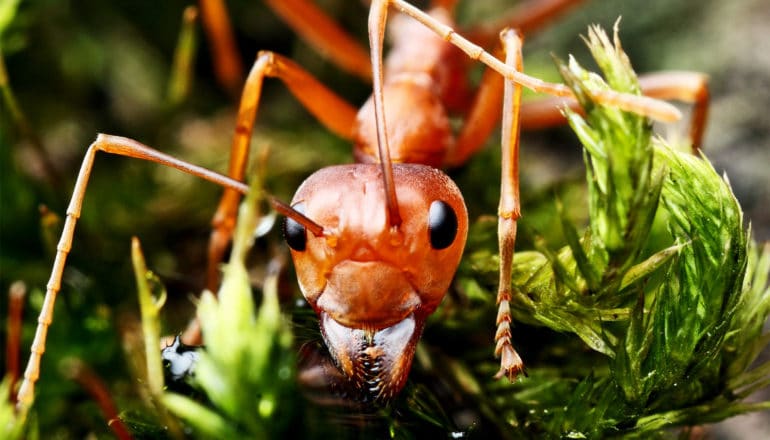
pixel 228 66
pixel 482 117
pixel 326 36
pixel 448 5
pixel 526 17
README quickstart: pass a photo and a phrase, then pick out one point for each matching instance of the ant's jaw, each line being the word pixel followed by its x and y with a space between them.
pixel 375 362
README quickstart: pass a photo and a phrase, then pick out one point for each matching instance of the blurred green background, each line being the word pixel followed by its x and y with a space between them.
pixel 78 68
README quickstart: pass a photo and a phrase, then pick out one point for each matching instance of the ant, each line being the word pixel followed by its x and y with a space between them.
pixel 423 82
pixel 376 244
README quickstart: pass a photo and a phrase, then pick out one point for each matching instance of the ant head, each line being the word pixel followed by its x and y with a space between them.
pixel 373 284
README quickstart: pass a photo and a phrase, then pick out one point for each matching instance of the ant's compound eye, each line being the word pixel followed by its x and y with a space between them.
pixel 442 225
pixel 293 232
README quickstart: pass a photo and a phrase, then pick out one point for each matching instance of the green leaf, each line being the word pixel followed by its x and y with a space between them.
pixel 12 425
pixel 673 315
pixel 8 9
pixel 246 369
pixel 206 421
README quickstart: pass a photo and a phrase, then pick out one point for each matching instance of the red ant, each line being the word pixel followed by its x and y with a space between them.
pixel 376 244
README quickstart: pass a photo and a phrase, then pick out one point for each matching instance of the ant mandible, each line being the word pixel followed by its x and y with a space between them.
pixel 376 244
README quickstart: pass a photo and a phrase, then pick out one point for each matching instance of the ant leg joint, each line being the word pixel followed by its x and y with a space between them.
pixel 512 33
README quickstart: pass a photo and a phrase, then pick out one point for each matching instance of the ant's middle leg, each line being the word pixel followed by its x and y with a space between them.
pixel 643 105
pixel 331 110
pixel 482 117
pixel 689 87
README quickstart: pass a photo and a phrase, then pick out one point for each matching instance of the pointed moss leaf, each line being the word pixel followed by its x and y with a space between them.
pixel 745 341
pixel 564 274
pixel 13 426
pixel 618 159
pixel 8 9
pixel 246 369
pixel 587 270
pixel 690 314
pixel 612 60
pixel 642 270
pixel 207 422
pixel 671 311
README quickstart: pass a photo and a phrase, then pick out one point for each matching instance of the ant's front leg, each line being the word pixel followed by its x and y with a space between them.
pixel 331 110
pixel 114 145
pixel 482 118
pixel 509 209
pixel 642 105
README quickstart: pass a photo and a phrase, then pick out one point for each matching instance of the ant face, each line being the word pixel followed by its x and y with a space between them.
pixel 373 284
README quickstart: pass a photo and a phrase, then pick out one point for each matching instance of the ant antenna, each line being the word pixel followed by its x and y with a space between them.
pixel 285 209
pixel 378 15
